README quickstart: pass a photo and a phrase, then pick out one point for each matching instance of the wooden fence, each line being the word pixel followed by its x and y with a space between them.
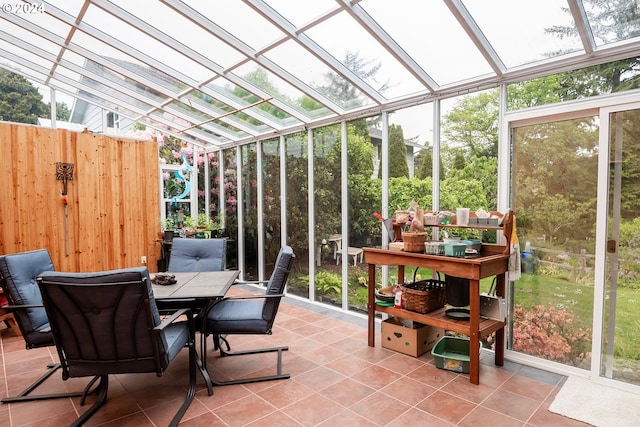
pixel 111 220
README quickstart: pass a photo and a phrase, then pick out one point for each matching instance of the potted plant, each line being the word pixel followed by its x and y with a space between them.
pixel 189 225
pixel 207 224
pixel 167 226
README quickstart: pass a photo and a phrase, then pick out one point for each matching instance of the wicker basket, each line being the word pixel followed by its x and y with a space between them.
pixel 414 241
pixel 424 296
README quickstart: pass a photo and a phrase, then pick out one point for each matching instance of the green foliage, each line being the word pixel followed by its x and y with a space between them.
pixel 403 190
pixel 168 223
pixel 398 166
pixel 483 171
pixel 62 111
pixel 364 196
pixel 456 193
pixel 328 283
pixel 423 162
pixel 556 177
pixel 473 124
pixel 207 223
pixel 20 101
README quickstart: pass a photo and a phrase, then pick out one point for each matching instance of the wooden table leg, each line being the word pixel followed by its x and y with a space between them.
pixel 474 326
pixel 500 338
pixel 371 309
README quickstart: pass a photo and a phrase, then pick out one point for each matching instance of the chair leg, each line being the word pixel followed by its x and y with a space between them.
pixel 24 396
pixel 88 391
pixel 191 392
pixel 102 389
pixel 228 352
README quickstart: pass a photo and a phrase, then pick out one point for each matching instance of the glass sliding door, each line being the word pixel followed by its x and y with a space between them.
pixel 555 179
pixel 620 354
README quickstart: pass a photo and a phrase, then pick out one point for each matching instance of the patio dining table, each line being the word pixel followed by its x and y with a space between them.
pixel 200 288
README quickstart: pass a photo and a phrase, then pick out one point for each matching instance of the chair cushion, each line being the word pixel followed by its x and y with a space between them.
pixel 19 272
pixel 176 336
pixel 189 255
pixel 237 317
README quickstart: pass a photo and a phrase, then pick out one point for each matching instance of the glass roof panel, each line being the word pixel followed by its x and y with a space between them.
pixel 26 37
pixel 112 57
pixel 19 52
pixel 120 81
pixel 431 35
pixel 525 37
pixel 182 30
pixel 363 54
pixel 106 88
pixel 223 113
pixel 74 58
pixel 297 15
pixel 277 87
pixel 611 24
pixel 72 7
pixel 317 75
pixel 264 116
pixel 197 119
pixel 238 19
pixel 144 43
pixel 42 20
pixel 109 105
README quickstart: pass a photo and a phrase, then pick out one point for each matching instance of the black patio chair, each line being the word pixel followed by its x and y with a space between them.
pixel 19 272
pixel 108 323
pixel 249 315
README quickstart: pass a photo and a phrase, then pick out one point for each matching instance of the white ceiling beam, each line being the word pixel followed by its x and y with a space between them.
pixel 476 35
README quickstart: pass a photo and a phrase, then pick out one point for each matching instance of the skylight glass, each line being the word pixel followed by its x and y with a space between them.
pixel 182 30
pixel 431 35
pixel 613 24
pixel 239 20
pixel 389 79
pixel 297 15
pixel 140 44
pixel 527 35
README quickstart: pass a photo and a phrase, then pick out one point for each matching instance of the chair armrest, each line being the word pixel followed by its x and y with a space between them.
pixel 173 317
pixel 258 296
pixel 249 282
pixel 21 306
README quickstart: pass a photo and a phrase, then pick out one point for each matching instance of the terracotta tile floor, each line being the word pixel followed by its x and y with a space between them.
pixel 336 380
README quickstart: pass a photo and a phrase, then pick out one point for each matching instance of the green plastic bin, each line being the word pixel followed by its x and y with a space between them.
pixel 452 354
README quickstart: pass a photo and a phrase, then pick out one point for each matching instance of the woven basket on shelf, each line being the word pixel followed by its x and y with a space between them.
pixel 414 241
pixel 424 296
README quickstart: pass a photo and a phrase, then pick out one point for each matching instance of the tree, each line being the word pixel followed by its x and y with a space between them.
pixel 424 163
pixel 397 153
pixel 62 111
pixel 472 125
pixel 20 101
pixel 343 91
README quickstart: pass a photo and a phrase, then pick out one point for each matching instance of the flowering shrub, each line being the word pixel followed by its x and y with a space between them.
pixel 550 333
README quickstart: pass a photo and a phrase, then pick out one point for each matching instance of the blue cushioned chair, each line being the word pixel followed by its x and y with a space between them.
pixel 250 315
pixel 107 323
pixel 19 272
pixel 190 255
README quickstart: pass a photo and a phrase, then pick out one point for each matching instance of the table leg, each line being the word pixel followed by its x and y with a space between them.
pixel 371 309
pixel 500 338
pixel 474 326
